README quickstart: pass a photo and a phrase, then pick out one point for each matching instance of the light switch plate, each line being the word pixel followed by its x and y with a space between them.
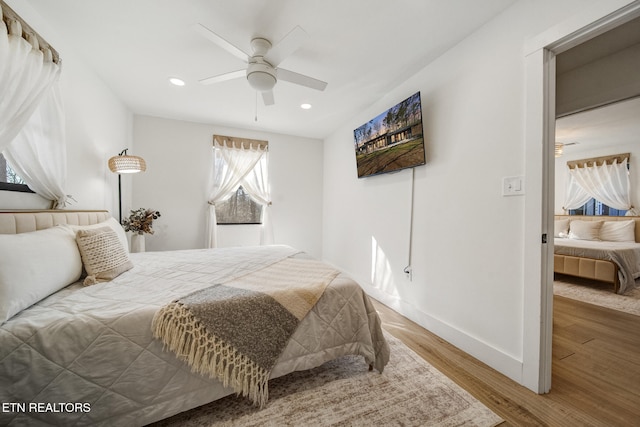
pixel 513 185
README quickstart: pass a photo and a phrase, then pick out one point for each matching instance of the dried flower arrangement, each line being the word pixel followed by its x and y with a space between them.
pixel 140 221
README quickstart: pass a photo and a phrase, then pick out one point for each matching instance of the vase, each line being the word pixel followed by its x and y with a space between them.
pixel 137 242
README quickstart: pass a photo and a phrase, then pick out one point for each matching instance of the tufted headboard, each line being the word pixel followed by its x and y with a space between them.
pixel 13 222
pixel 605 218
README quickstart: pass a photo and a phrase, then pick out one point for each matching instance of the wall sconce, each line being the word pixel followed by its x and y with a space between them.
pixel 124 163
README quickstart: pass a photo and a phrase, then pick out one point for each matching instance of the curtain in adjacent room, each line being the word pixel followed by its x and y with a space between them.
pixel 235 165
pixel 607 183
pixel 31 113
pixel 576 196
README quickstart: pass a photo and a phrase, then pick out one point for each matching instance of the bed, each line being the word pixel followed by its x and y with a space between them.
pixel 606 249
pixel 87 355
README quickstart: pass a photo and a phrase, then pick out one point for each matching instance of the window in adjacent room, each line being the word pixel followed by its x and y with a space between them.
pixel 595 207
pixel 240 208
pixel 10 180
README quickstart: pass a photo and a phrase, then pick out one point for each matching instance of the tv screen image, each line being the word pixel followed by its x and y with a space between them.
pixel 392 140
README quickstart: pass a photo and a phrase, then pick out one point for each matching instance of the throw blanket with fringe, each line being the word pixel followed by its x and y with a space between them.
pixel 236 331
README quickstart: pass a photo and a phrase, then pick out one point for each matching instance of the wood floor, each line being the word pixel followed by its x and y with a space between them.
pixel 595 375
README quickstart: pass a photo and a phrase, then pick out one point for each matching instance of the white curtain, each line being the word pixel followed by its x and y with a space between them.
pixel 576 196
pixel 256 184
pixel 608 184
pixel 26 75
pixel 31 114
pixel 38 153
pixel 232 167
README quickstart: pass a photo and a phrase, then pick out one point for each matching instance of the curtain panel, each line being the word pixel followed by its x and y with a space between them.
pixel 607 183
pixel 234 165
pixel 32 123
pixel 26 74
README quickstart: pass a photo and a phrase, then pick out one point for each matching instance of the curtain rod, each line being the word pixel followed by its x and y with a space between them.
pixel 593 161
pixel 9 14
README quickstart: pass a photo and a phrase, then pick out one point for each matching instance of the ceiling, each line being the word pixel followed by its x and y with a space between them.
pixel 609 125
pixel 362 48
pixel 617 122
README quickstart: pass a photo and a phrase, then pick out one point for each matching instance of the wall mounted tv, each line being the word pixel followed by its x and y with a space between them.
pixel 392 140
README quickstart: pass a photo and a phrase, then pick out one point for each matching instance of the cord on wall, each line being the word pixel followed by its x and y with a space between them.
pixel 408 270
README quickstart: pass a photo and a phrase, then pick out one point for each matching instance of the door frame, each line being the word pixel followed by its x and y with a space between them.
pixel 540 88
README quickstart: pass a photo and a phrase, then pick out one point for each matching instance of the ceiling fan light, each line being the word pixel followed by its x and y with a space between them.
pixel 559 149
pixel 261 80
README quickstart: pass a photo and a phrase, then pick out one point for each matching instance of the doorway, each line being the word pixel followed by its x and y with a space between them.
pixel 540 68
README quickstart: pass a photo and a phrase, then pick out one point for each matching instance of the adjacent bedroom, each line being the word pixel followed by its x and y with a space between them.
pixel 304 213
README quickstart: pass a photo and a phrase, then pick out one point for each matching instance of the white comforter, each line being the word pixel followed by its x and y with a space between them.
pixel 86 355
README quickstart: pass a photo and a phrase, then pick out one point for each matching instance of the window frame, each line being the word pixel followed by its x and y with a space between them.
pixel 10 186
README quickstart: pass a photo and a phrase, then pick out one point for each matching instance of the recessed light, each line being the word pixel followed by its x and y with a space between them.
pixel 176 81
pixel 305 106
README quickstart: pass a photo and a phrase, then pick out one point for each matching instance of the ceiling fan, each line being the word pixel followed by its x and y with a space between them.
pixel 559 147
pixel 262 71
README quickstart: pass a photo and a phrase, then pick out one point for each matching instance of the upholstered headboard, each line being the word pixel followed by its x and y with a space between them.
pixel 605 218
pixel 13 222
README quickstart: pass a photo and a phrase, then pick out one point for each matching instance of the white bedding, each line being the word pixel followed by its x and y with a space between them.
pixel 625 254
pixel 92 346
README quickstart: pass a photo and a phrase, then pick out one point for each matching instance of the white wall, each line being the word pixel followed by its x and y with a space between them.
pixel 600 82
pixel 178 156
pixel 562 173
pixel 468 245
pixel 98 126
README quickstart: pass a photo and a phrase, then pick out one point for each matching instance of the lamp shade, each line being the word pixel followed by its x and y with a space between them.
pixel 127 164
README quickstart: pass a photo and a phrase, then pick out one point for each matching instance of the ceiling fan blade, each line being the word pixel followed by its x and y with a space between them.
pixel 301 79
pixel 224 77
pixel 285 47
pixel 268 98
pixel 233 50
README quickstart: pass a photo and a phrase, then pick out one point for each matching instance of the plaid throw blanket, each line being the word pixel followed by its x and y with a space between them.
pixel 236 331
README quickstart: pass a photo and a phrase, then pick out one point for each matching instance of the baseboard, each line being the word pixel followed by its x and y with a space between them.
pixel 498 360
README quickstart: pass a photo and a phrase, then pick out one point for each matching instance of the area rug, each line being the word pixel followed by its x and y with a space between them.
pixel 598 294
pixel 344 392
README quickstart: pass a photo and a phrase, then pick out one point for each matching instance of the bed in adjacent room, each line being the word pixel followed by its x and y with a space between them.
pixel 605 249
pixel 117 349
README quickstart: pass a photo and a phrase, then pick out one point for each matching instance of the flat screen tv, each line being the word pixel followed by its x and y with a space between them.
pixel 392 140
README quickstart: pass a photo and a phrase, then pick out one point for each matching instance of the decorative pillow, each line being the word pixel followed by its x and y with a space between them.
pixel 585 230
pixel 103 255
pixel 34 265
pixel 111 222
pixel 618 231
pixel 561 228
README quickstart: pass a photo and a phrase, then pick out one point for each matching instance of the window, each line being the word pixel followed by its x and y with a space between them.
pixel 10 180
pixel 597 208
pixel 239 209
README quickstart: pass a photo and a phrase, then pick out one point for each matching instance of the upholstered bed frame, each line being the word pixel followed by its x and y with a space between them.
pixel 589 268
pixel 13 222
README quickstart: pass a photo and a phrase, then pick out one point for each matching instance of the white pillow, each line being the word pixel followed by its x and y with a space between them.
pixel 111 222
pixel 585 230
pixel 618 231
pixel 561 228
pixel 34 265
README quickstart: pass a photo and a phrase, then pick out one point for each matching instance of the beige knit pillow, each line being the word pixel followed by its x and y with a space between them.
pixel 102 253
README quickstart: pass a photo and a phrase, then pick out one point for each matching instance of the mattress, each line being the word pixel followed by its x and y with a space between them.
pixel 86 355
